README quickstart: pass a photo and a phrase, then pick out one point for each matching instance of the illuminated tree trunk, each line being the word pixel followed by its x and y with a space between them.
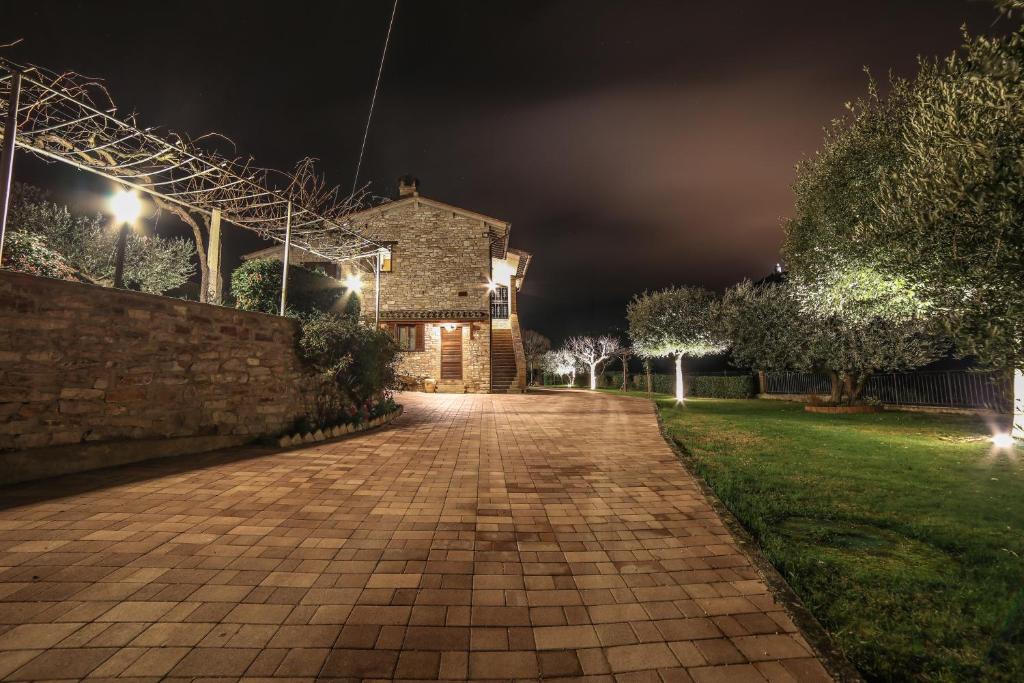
pixel 647 371
pixel 837 387
pixel 679 377
pixel 593 376
pixel 1018 404
pixel 572 380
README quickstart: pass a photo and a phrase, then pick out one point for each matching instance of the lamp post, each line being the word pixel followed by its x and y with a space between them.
pixel 7 163
pixel 126 207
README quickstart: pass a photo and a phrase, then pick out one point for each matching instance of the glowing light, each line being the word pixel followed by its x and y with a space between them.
pixel 354 283
pixel 449 326
pixel 1002 441
pixel 126 206
pixel 503 271
pixel 491 285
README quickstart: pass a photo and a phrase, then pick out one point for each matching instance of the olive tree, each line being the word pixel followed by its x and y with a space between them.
pixel 592 353
pixel 952 210
pixel 850 326
pixel 86 245
pixel 676 322
pixel 924 186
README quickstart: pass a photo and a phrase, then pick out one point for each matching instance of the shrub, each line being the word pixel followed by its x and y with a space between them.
pixel 256 286
pixel 30 254
pixel 360 361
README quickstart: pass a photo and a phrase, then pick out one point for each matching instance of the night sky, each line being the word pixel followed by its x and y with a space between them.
pixel 632 145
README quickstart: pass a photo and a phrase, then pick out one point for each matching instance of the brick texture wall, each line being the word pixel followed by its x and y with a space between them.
pixel 81 363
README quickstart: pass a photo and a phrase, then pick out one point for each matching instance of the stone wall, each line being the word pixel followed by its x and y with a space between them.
pixel 82 364
pixel 440 263
pixel 476 357
pixel 440 260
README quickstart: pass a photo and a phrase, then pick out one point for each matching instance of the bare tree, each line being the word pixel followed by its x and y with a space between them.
pixel 561 363
pixel 593 352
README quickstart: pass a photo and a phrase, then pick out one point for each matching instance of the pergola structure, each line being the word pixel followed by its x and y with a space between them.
pixel 71 118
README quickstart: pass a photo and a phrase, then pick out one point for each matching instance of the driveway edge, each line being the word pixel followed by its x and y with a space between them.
pixel 819 639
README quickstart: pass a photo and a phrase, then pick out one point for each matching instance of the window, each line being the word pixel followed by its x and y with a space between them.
pixel 385 263
pixel 410 337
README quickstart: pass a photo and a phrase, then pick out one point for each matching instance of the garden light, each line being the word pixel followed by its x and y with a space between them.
pixel 126 207
pixel 354 283
pixel 1002 440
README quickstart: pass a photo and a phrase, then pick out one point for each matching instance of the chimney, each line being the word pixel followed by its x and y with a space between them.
pixel 408 186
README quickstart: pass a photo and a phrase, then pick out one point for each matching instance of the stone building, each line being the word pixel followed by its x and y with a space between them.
pixel 448 291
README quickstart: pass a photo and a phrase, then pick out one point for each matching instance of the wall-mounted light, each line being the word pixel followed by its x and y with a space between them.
pixel 354 283
pixel 449 326
pixel 491 285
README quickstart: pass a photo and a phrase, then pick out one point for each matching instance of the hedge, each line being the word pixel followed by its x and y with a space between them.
pixel 718 386
pixel 705 386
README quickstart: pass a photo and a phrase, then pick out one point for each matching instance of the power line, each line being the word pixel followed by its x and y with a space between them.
pixel 373 99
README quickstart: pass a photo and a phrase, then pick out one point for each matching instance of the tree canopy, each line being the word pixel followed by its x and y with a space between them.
pixel 678 321
pixel 57 243
pixel 926 186
pixel 854 325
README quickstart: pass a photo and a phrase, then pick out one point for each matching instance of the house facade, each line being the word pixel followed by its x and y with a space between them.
pixel 448 292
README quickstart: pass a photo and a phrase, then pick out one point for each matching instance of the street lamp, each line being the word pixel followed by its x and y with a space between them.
pixel 126 207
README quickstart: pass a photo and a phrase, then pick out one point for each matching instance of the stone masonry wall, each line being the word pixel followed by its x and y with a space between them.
pixel 441 260
pixel 476 357
pixel 81 363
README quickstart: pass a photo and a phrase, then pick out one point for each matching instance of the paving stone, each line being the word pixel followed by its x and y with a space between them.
pixel 479 537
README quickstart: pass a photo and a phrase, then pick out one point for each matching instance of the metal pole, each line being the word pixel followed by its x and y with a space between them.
pixel 122 242
pixel 10 136
pixel 376 290
pixel 284 259
pixel 215 293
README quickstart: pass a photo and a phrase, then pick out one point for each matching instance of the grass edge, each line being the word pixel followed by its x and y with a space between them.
pixel 821 642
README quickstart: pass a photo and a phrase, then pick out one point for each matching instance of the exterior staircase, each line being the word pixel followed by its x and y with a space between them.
pixel 503 361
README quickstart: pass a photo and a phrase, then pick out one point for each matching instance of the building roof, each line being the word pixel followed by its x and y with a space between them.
pixel 524 262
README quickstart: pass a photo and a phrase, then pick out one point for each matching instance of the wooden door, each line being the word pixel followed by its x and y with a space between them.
pixel 451 353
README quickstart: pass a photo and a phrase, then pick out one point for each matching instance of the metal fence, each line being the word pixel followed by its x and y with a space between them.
pixel 950 388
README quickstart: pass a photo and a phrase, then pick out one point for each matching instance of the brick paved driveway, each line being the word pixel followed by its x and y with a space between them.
pixel 481 537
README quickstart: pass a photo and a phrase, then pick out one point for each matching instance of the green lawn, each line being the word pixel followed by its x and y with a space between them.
pixel 902 532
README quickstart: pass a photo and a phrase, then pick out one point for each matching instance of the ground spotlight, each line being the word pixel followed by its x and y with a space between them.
pixel 1002 440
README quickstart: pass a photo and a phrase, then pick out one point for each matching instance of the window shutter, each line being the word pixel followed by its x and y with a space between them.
pixel 420 337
